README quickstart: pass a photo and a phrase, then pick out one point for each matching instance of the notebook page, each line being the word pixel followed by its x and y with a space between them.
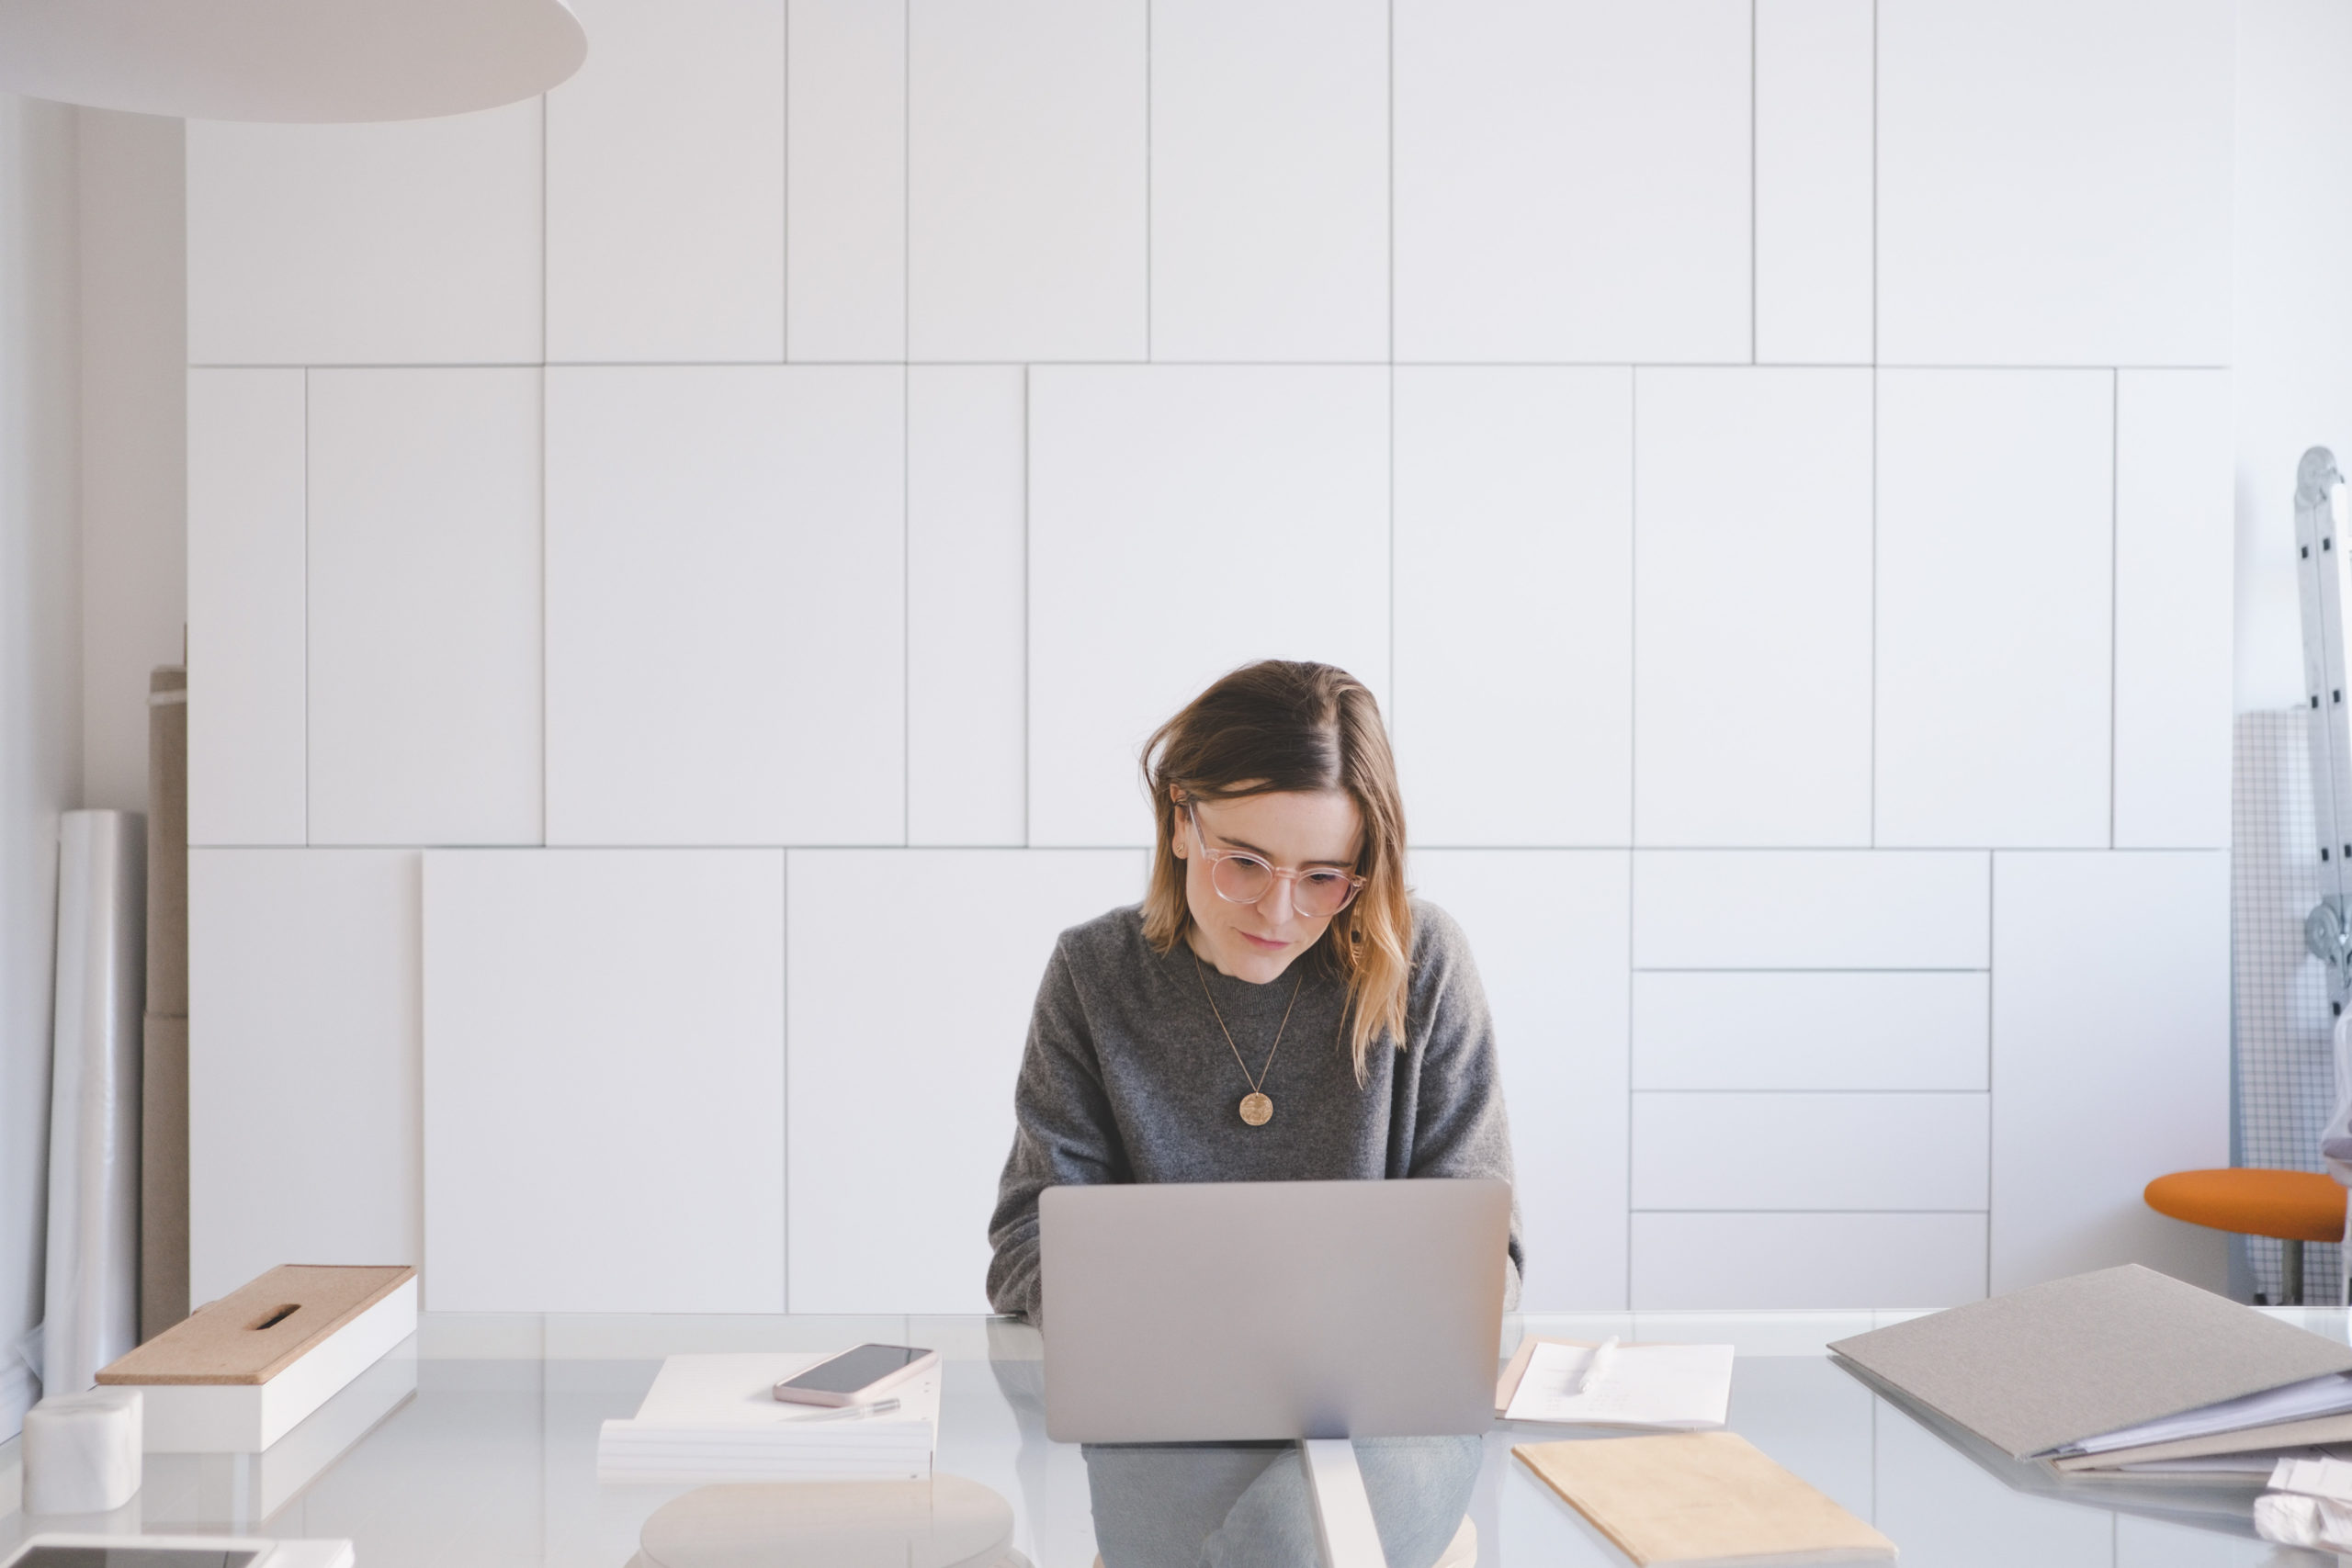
pixel 1681 1386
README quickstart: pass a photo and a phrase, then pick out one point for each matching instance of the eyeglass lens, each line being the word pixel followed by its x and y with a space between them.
pixel 1313 893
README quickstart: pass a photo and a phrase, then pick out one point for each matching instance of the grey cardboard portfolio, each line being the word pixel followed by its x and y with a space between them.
pixel 2056 1363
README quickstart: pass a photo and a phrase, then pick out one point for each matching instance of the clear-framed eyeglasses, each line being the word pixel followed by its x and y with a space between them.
pixel 1318 892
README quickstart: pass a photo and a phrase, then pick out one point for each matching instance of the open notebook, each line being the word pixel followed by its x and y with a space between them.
pixel 1676 1387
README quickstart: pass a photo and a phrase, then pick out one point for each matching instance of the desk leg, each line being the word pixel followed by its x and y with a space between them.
pixel 1342 1508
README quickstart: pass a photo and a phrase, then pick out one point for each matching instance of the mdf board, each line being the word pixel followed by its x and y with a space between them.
pixel 246 584
pixel 846 181
pixel 1804 1151
pixel 967 622
pixel 2111 1058
pixel 1815 130
pixel 1270 180
pixel 1513 603
pixel 425 676
pixel 303 1019
pixel 1751 1030
pixel 1552 202
pixel 1146 485
pixel 415 243
pixel 665 185
pixel 2053 182
pixel 1994 637
pixel 1547 933
pixel 892 1215
pixel 1752 607
pixel 1759 1262
pixel 1026 204
pixel 1811 910
pixel 726 648
pixel 604 1080
pixel 2174 540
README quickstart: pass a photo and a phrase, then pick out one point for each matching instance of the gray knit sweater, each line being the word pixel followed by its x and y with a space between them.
pixel 1127 1077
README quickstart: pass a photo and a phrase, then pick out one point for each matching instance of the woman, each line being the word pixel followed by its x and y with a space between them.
pixel 1277 1008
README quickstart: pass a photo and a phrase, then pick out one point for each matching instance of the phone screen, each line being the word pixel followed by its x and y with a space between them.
pixel 853 1370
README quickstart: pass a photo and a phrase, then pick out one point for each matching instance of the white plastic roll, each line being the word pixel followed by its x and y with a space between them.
pixel 94 1132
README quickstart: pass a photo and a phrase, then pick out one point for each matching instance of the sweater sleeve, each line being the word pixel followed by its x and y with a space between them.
pixel 1064 1134
pixel 1460 1128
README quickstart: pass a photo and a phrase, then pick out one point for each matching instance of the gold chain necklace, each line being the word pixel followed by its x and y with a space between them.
pixel 1256 1109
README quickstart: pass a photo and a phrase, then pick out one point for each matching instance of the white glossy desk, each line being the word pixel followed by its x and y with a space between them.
pixel 492 1460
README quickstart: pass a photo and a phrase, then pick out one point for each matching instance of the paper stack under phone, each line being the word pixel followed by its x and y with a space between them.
pixel 716 1418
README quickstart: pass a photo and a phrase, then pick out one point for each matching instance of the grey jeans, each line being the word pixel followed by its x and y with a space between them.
pixel 1246 1505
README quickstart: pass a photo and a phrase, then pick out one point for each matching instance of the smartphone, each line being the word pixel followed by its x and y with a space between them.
pixel 856 1376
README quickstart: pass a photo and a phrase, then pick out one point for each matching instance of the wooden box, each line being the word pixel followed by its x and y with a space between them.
pixel 239 1374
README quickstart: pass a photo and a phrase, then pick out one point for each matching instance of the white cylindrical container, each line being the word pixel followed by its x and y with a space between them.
pixel 92 1308
pixel 82 1451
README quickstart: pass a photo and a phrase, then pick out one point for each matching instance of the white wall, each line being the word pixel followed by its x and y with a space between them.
pixel 40 653
pixel 134 436
pixel 1771 459
pixel 2293 316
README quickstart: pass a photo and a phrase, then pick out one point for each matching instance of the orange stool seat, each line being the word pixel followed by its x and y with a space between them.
pixel 2291 1205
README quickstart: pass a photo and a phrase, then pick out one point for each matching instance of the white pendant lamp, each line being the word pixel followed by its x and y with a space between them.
pixel 289 60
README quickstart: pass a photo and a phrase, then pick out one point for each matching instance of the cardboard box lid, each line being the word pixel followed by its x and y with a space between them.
pixel 249 1336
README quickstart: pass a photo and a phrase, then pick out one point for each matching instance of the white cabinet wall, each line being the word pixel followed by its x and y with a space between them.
pixel 739 518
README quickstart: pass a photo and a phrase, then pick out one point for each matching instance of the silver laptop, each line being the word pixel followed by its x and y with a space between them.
pixel 1221 1311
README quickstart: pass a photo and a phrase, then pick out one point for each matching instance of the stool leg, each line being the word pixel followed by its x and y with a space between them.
pixel 2290 1270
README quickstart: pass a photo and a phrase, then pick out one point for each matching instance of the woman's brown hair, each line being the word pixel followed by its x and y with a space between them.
pixel 1277 727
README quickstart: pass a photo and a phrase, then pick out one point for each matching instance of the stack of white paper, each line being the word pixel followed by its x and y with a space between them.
pixel 716 1418
pixel 1679 1387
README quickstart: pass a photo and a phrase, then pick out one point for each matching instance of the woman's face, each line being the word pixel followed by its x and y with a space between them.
pixel 1258 942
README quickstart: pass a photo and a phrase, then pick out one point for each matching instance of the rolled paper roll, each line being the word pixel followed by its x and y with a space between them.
pixel 92 1289
pixel 81 1451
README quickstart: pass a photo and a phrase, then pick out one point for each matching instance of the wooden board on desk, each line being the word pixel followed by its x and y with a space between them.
pixel 249 1336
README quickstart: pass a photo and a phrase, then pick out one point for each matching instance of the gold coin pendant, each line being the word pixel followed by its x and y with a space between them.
pixel 1256 1110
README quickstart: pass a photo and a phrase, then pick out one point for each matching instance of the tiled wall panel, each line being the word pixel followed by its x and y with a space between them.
pixel 1995 523
pixel 1891 1030
pixel 967 623
pixel 1763 453
pixel 1879 1152
pixel 303 1100
pixel 415 243
pixel 901 1095
pixel 1798 910
pixel 1246 507
pixel 245 607
pixel 665 184
pixel 1553 970
pixel 845 269
pixel 425 606
pixel 2111 1056
pixel 1552 203
pixel 1762 1261
pixel 1025 198
pixel 725 581
pixel 1752 607
pixel 604 1080
pixel 1815 139
pixel 1513 604
pixel 2173 569
pixel 2055 182
pixel 1270 180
